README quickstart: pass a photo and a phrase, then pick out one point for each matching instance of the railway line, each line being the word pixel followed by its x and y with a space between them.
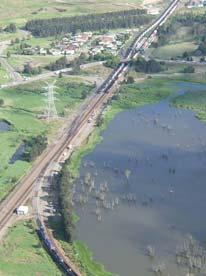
pixel 24 189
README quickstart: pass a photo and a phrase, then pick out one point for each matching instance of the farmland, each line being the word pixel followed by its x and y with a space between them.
pixel 20 11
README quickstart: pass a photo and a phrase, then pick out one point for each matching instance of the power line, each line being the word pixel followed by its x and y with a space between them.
pixel 50 110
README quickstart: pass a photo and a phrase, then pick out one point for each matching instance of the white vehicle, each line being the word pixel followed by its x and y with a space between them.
pixel 69 147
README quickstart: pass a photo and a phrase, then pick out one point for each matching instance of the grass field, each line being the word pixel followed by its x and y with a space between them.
pixel 172 50
pixel 21 253
pixel 194 101
pixel 19 60
pixel 22 105
pixel 20 11
pixel 4 78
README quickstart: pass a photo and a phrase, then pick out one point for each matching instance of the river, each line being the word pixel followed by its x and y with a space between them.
pixel 153 161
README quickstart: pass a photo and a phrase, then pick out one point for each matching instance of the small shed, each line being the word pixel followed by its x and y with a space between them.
pixel 22 210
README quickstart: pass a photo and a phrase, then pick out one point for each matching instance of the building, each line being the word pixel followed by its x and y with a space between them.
pixel 196 4
pixel 42 51
pixel 22 210
pixel 106 40
pixel 70 50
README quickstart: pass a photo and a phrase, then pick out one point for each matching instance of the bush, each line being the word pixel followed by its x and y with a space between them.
pixel 189 69
pixel 34 147
pixel 150 66
pixel 1 102
pixel 11 28
pixel 58 64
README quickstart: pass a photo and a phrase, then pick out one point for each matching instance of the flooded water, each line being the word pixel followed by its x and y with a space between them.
pixel 4 126
pixel 18 155
pixel 148 190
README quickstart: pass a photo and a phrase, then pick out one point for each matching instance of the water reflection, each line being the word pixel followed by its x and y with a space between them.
pixel 142 191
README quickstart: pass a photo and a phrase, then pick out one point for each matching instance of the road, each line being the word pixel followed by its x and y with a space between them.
pixel 44 76
pixel 182 62
pixel 24 189
pixel 15 76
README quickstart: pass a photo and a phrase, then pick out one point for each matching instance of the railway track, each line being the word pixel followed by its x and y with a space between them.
pixel 22 193
pixel 24 189
pixel 26 185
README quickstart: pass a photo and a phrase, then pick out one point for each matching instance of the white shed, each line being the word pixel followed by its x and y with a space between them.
pixel 22 210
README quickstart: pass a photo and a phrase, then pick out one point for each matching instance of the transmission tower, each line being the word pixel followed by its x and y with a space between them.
pixel 50 111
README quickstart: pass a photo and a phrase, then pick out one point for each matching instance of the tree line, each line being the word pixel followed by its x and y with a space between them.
pixel 91 22
pixel 150 66
pixel 193 20
pixel 65 199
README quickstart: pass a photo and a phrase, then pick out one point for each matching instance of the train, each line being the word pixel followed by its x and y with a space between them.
pixel 48 244
pixel 140 42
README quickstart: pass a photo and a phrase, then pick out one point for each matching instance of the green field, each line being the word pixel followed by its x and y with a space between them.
pixel 172 50
pixel 20 11
pixel 4 78
pixel 22 106
pixel 194 101
pixel 21 253
pixel 17 61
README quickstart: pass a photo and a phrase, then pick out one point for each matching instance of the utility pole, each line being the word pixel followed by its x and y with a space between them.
pixel 50 112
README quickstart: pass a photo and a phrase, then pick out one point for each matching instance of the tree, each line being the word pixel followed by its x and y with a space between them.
pixel 112 62
pixel 130 79
pixel 189 69
pixel 91 22
pixel 185 54
pixel 58 64
pixel 17 40
pixel 1 102
pixel 34 147
pixel 27 69
pixel 140 65
pixel 84 94
pixel 8 54
pixel 11 28
pixel 153 66
pixel 150 66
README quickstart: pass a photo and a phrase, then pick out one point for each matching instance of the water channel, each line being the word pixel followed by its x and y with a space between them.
pixel 151 169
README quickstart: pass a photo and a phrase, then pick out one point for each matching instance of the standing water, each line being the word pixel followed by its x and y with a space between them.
pixel 142 191
pixel 4 126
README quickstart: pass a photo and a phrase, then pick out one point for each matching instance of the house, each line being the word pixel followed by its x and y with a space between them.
pixel 65 40
pixel 22 210
pixel 42 51
pixel 196 4
pixel 55 52
pixel 106 40
pixel 70 50
pixel 96 50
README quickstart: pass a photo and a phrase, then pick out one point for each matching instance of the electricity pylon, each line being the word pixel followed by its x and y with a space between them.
pixel 50 111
